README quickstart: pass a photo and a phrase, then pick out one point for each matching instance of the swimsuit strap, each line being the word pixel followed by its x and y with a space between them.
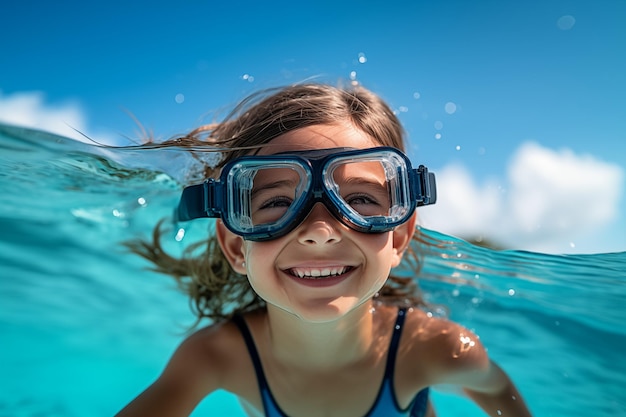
pixel 254 355
pixel 394 344
pixel 419 405
pixel 270 407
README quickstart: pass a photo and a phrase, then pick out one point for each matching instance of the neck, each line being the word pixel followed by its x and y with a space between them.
pixel 339 342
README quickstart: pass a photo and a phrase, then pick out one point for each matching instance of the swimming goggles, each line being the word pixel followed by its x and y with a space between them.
pixel 265 197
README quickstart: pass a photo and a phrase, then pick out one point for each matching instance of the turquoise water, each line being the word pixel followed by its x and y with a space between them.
pixel 84 326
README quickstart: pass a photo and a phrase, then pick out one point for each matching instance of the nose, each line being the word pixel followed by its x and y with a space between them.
pixel 319 228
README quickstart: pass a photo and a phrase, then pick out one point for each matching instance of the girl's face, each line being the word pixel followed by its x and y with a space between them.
pixel 322 269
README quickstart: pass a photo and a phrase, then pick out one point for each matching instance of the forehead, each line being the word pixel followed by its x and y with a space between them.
pixel 320 137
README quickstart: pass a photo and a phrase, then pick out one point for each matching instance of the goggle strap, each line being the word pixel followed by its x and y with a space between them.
pixel 191 205
pixel 198 201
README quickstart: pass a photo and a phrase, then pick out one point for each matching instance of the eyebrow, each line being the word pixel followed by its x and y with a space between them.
pixel 272 185
pixel 365 181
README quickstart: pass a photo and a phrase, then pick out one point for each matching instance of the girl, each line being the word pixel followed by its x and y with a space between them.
pixel 316 205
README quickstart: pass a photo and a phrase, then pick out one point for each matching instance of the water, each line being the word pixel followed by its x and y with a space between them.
pixel 84 326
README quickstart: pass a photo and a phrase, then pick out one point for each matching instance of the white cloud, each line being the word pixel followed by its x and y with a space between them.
pixel 549 200
pixel 29 109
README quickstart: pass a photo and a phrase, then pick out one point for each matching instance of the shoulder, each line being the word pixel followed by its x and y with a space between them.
pixel 207 359
pixel 204 362
pixel 441 348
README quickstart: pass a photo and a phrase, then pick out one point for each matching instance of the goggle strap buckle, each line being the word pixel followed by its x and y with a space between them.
pixel 426 192
pixel 212 198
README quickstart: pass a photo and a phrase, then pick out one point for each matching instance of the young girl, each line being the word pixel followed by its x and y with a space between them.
pixel 316 205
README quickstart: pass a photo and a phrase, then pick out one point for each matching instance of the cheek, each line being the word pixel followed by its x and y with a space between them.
pixel 380 243
pixel 260 266
pixel 380 250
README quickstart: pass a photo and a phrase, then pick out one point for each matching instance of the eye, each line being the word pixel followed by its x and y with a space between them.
pixel 276 202
pixel 270 209
pixel 367 204
pixel 358 199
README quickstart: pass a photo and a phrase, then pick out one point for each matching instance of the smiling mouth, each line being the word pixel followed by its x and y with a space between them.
pixel 320 273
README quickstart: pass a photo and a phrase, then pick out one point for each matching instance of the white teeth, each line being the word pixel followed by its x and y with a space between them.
pixel 314 273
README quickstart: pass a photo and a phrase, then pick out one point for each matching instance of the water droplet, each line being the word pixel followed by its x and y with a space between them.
pixel 353 75
pixel 180 234
pixel 499 412
pixel 437 136
pixel 450 107
pixel 248 77
pixel 456 293
pixel 572 245
pixel 438 125
pixel 141 201
pixel 511 292
pixel 566 22
pixel 179 98
pixel 362 58
pixel 403 109
pixel 458 147
pixel 416 95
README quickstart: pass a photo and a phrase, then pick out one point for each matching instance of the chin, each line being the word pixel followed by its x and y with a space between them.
pixel 330 311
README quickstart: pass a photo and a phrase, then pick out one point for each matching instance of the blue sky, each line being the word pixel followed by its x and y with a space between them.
pixel 518 106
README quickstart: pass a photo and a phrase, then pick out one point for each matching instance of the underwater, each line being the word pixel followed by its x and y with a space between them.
pixel 85 325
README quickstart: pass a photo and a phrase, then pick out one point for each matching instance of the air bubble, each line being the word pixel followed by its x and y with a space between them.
pixel 362 58
pixel 180 234
pixel 511 292
pixel 438 125
pixel 248 77
pixel 566 22
pixel 437 136
pixel 142 201
pixel 450 107
pixel 179 98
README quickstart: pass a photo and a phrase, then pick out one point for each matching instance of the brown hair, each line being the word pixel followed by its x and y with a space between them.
pixel 215 290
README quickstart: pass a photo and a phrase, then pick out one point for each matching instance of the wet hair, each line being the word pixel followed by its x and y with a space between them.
pixel 202 272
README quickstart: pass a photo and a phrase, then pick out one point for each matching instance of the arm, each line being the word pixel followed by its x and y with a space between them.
pixel 494 392
pixel 190 375
pixel 481 379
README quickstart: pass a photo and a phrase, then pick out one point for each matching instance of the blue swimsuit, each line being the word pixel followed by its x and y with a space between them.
pixel 385 405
